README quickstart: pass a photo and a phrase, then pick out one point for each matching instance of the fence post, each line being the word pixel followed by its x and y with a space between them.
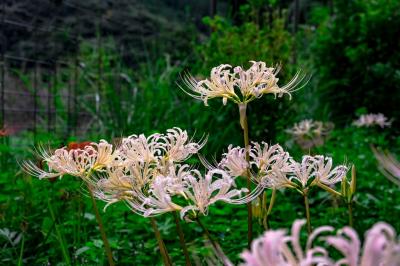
pixel 2 84
pixel 35 104
pixel 3 65
pixel 76 85
pixel 55 91
pixel 69 103
pixel 99 63
pixel 49 86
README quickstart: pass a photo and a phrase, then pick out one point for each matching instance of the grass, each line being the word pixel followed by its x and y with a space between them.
pixel 58 224
pixel 55 219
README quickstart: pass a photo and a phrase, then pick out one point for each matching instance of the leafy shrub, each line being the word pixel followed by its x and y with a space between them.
pixel 357 59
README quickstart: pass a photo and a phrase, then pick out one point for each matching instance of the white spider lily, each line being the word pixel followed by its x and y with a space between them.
pixel 258 79
pixel 304 171
pixel 160 199
pixel 380 246
pixel 75 162
pixel 369 120
pixel 222 84
pixel 309 133
pixel 215 185
pixel 273 249
pixel 325 174
pixel 272 163
pixel 113 186
pixel 234 161
pixel 309 127
pixel 105 155
pixel 252 83
pixel 141 149
pixel 145 191
pixel 265 157
pixel 277 179
pixel 178 147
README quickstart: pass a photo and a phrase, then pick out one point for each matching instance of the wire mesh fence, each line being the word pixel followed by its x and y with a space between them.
pixel 40 80
pixel 35 95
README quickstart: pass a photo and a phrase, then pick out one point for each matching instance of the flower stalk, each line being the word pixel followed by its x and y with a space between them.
pixel 161 245
pixel 182 239
pixel 271 205
pixel 244 125
pixel 101 228
pixel 350 209
pixel 348 191
pixel 307 208
pixel 216 247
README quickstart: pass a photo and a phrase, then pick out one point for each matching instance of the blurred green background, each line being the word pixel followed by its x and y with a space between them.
pixel 97 69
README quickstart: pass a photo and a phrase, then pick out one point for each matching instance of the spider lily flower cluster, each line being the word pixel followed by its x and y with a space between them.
pixel 309 133
pixel 272 167
pixel 148 173
pixel 76 161
pixel 276 247
pixel 269 166
pixel 239 85
pixel 242 86
pixel 371 120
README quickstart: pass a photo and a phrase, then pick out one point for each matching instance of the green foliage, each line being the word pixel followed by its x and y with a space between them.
pixel 237 45
pixel 357 59
pixel 354 59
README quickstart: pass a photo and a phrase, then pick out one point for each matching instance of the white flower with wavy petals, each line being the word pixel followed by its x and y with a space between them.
pixel 309 133
pixel 234 161
pixel 252 83
pixel 75 162
pixel 160 199
pixel 325 174
pixel 380 246
pixel 222 84
pixel 177 146
pixel 276 248
pixel 215 185
pixel 304 171
pixel 271 162
pixel 141 148
pixel 369 120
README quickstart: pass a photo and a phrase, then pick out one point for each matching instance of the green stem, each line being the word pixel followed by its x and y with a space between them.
pixel 271 205
pixel 260 207
pixel 307 207
pixel 215 245
pixel 60 237
pixel 101 228
pixel 210 238
pixel 161 245
pixel 330 190
pixel 350 208
pixel 182 239
pixel 21 252
pixel 245 127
